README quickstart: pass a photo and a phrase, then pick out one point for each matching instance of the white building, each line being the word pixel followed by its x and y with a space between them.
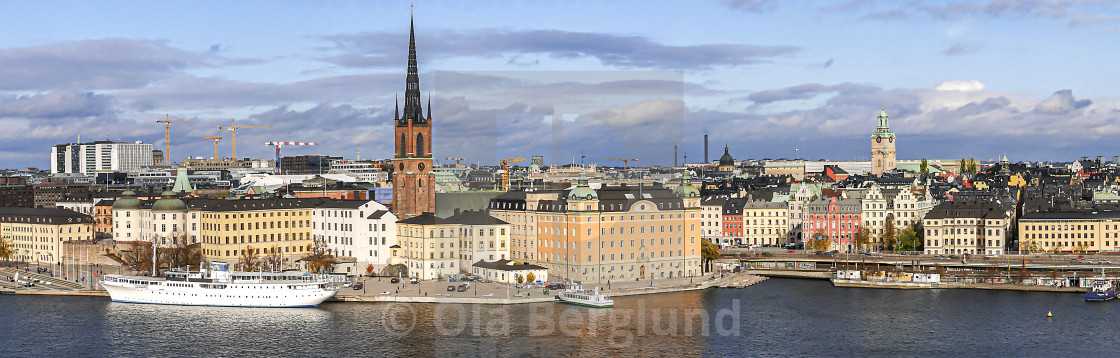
pixel 506 271
pixel 711 221
pixel 481 238
pixel 101 156
pixel 358 231
pixel 901 203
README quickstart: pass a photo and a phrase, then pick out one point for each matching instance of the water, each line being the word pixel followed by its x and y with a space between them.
pixel 779 317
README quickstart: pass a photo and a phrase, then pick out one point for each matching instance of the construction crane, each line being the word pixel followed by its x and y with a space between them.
pixel 215 139
pixel 167 137
pixel 457 160
pixel 233 127
pixel 625 164
pixel 279 145
pixel 505 171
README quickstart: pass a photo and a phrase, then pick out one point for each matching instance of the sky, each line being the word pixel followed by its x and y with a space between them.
pixel 572 81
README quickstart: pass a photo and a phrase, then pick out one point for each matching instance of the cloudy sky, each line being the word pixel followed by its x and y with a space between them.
pixel 1036 79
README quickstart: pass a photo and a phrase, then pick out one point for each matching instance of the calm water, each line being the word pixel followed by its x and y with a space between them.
pixel 778 317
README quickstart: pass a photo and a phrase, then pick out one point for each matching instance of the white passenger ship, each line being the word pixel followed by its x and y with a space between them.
pixel 220 287
pixel 575 294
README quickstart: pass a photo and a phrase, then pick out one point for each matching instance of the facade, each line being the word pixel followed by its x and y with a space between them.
pixel 21 195
pixel 732 218
pixel 711 221
pixel 428 246
pixel 361 231
pixel 800 194
pixel 833 218
pixel 765 223
pixel 900 204
pixel 506 271
pixel 38 235
pixel 977 228
pixel 619 233
pixel 413 181
pixel 193 164
pixel 100 156
pixel 482 238
pixel 882 146
pixel 49 193
pixel 1070 231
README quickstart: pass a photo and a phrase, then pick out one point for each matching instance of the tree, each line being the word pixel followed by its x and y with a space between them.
pixel 863 239
pixel 971 165
pixel 925 166
pixel 320 260
pixel 272 259
pixel 137 256
pixel 964 166
pixel 180 252
pixel 709 252
pixel 820 242
pixel 519 279
pixel 908 240
pixel 248 260
pixel 530 277
pixel 890 234
pixel 5 250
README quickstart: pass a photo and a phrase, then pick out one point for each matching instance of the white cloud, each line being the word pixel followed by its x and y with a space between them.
pixel 957 85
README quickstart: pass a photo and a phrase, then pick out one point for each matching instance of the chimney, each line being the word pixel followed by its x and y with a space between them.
pixel 706 149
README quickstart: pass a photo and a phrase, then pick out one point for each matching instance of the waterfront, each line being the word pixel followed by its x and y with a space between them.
pixel 778 317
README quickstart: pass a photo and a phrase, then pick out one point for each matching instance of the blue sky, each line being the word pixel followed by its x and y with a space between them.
pixel 1032 78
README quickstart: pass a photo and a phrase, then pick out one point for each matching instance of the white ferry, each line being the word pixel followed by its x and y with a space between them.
pixel 575 294
pixel 220 287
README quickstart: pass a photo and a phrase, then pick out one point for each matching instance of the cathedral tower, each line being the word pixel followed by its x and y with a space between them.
pixel 413 181
pixel 882 146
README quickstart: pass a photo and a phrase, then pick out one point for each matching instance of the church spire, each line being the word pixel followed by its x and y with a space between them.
pixel 413 111
pixel 396 108
pixel 429 105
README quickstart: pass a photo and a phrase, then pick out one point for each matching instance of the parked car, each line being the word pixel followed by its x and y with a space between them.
pixel 555 286
pixel 413 280
pixel 1103 261
pixel 395 280
pixel 766 254
pixel 450 288
pixel 358 286
pixel 464 287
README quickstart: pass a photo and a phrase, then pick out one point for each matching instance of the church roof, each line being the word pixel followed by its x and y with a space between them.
pixel 726 159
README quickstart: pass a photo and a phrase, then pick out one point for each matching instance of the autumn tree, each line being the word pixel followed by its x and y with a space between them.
pixel 180 252
pixel 863 239
pixel 530 277
pixel 273 259
pixel 819 242
pixel 320 260
pixel 138 256
pixel 248 260
pixel 709 252
pixel 889 235
pixel 5 250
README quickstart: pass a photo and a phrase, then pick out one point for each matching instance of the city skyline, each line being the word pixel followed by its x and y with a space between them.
pixel 1024 78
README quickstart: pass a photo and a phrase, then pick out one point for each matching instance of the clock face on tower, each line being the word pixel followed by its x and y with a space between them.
pixel 878 139
pixel 401 166
pixel 420 166
pixel 891 139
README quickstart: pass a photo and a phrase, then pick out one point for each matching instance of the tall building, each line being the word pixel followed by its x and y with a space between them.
pixel 967 228
pixel 620 233
pixel 882 146
pixel 413 181
pixel 90 158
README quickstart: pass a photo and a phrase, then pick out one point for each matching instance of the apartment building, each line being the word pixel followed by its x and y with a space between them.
pixel 38 235
pixel 977 228
pixel 1070 231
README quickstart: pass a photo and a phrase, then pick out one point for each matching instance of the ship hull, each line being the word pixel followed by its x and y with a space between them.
pixel 230 295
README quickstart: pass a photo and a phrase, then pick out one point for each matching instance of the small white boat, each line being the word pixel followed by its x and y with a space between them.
pixel 575 294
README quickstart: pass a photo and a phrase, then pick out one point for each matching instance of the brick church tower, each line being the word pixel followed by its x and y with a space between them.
pixel 414 186
pixel 882 146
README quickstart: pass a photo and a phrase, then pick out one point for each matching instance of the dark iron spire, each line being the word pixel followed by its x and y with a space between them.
pixel 396 108
pixel 412 109
pixel 429 105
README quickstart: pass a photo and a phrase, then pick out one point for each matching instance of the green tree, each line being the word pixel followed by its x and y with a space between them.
pixel 972 165
pixel 709 252
pixel 908 240
pixel 519 279
pixel 925 166
pixel 964 166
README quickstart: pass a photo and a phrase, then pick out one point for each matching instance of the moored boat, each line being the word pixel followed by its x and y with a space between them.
pixel 575 294
pixel 1102 291
pixel 220 287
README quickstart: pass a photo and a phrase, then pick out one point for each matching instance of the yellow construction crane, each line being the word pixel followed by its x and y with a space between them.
pixel 505 171
pixel 625 164
pixel 167 137
pixel 216 139
pixel 233 127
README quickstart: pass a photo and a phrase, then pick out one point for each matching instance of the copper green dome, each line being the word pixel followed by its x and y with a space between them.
pixel 169 202
pixel 582 190
pixel 128 201
pixel 686 190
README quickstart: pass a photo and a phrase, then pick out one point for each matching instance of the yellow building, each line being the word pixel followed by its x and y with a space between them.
pixel 620 233
pixel 230 228
pixel 977 228
pixel 765 222
pixel 1070 231
pixel 37 235
pixel 428 246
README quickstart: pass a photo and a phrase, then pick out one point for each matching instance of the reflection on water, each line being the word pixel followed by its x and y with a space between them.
pixel 774 318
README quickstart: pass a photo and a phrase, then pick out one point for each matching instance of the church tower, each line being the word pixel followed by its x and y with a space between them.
pixel 413 181
pixel 882 146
